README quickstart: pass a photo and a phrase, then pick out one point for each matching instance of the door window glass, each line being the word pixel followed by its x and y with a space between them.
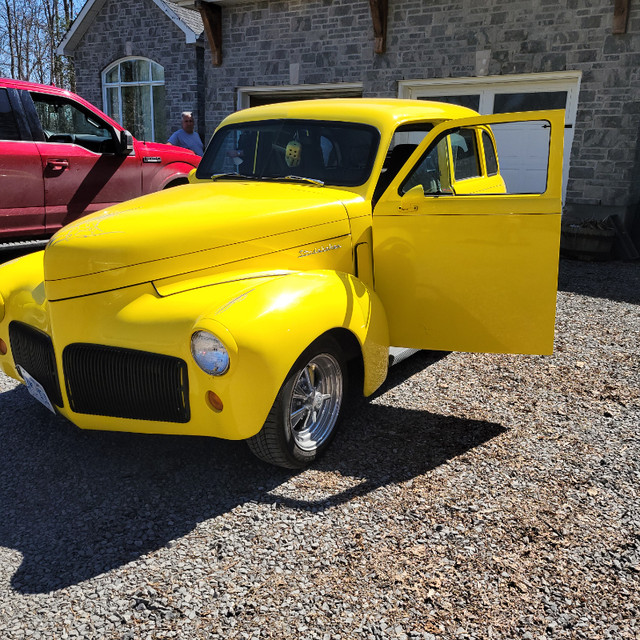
pixel 134 95
pixel 64 121
pixel 464 154
pixel 404 142
pixel 490 157
pixel 523 149
pixel 431 172
pixel 8 125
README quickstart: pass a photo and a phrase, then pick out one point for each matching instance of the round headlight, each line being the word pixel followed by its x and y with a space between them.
pixel 209 353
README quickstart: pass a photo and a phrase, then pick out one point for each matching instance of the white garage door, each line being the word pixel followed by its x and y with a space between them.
pixel 523 156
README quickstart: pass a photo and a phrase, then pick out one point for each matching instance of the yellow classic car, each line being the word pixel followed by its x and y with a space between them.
pixel 313 237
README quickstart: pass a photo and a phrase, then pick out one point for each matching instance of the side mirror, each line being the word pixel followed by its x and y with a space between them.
pixel 125 143
pixel 412 198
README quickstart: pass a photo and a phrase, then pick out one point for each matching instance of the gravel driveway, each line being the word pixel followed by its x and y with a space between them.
pixel 475 496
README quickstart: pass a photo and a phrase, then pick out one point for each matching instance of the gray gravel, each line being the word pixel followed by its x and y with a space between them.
pixel 475 496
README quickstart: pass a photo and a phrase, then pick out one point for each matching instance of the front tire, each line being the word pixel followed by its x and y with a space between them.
pixel 307 410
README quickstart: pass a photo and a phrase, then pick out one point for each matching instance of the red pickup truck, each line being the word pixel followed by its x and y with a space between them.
pixel 61 158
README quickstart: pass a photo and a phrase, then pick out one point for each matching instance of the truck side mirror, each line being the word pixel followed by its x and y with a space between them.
pixel 412 198
pixel 125 143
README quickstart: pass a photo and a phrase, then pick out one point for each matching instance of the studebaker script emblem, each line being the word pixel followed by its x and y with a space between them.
pixel 304 253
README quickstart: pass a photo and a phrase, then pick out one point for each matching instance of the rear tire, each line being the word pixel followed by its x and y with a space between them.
pixel 307 410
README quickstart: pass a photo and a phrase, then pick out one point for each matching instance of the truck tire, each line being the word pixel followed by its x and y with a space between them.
pixel 307 410
pixel 176 183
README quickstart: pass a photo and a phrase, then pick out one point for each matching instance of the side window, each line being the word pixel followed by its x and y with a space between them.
pixel 489 154
pixel 465 154
pixel 8 124
pixel 66 122
pixel 404 142
pixel 432 172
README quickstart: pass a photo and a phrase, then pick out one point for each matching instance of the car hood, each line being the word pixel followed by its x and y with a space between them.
pixel 168 152
pixel 188 229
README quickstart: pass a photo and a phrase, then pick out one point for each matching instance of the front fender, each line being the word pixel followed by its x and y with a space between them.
pixel 273 323
pixel 167 174
pixel 22 296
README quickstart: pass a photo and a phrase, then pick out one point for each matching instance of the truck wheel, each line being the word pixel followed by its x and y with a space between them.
pixel 307 409
pixel 176 183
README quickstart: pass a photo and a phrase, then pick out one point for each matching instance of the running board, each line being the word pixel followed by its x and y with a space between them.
pixel 24 244
pixel 398 354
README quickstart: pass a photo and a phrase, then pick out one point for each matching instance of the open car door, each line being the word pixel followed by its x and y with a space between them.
pixel 460 271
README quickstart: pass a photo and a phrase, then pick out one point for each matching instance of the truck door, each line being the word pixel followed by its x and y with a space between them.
pixel 460 271
pixel 21 183
pixel 82 171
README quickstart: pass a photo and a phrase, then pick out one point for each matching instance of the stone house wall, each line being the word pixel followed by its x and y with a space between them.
pixel 332 42
pixel 138 28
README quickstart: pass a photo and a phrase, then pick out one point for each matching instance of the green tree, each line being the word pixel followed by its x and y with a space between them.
pixel 29 34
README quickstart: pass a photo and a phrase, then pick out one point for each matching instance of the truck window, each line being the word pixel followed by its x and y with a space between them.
pixel 66 122
pixel 336 153
pixel 490 157
pixel 405 140
pixel 432 172
pixel 465 154
pixel 8 124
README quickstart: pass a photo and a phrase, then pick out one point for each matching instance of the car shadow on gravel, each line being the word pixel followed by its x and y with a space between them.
pixel 77 503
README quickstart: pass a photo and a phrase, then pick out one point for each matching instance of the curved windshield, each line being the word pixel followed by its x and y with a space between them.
pixel 336 153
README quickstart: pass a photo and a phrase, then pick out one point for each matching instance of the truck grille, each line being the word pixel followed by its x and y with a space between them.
pixel 126 383
pixel 33 351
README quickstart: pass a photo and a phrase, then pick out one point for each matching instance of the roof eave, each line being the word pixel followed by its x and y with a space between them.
pixel 88 14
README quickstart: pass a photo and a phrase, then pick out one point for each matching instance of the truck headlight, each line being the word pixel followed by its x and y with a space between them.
pixel 209 353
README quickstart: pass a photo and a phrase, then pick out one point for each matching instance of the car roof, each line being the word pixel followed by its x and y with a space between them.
pixel 33 86
pixel 382 113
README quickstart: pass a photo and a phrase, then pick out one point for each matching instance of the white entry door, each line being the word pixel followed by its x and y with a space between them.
pixel 523 166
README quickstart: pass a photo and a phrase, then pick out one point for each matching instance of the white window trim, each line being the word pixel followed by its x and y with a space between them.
pixel 120 84
pixel 318 90
pixel 525 83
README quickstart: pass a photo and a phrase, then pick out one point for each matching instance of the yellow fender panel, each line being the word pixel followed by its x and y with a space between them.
pixel 273 324
pixel 22 296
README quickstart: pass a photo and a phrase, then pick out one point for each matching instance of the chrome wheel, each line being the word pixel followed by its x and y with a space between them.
pixel 307 410
pixel 315 402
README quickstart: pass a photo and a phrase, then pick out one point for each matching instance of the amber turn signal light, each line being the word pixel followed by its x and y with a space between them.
pixel 214 401
pixel 3 347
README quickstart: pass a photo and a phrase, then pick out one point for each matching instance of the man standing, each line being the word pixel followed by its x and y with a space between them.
pixel 187 137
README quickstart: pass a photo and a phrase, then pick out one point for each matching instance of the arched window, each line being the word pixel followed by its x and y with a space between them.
pixel 133 94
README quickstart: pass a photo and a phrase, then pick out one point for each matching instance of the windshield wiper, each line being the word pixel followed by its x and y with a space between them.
pixel 240 176
pixel 236 176
pixel 318 183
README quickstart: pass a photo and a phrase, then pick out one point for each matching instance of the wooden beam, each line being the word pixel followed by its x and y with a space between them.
pixel 212 21
pixel 620 16
pixel 379 13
